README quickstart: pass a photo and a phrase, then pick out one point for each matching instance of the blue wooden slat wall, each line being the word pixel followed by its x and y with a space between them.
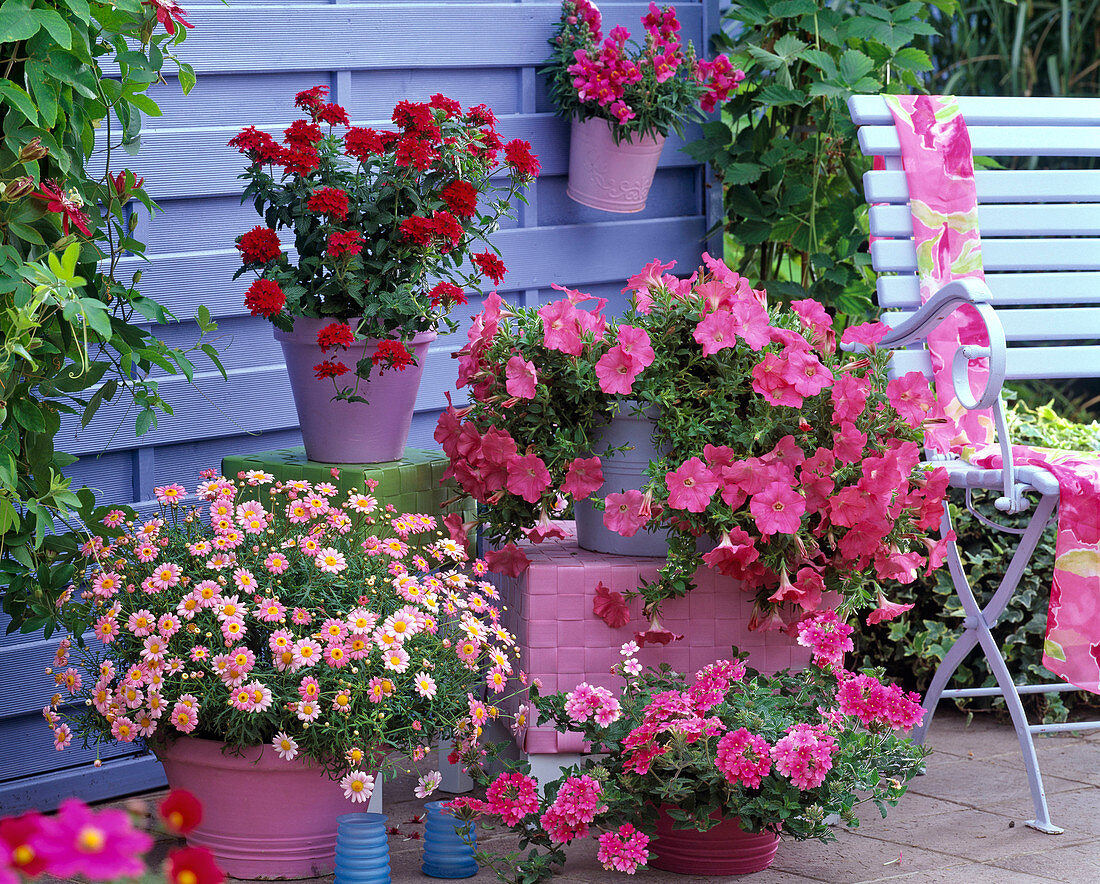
pixel 250 59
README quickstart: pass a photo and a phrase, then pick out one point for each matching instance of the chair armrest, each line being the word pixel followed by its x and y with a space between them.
pixel 951 297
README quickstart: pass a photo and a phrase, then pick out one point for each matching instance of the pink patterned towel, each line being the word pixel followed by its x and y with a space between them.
pixel 939 167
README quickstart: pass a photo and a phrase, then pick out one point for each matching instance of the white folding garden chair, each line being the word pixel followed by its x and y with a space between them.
pixel 1040 232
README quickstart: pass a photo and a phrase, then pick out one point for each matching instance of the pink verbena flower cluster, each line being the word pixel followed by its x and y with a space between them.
pixel 652 85
pixel 872 702
pixel 598 703
pixel 624 850
pixel 576 805
pixel 805 754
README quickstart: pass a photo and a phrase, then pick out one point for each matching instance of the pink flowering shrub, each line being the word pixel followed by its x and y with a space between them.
pixel 647 87
pixel 285 614
pixel 782 752
pixel 800 462
pixel 101 845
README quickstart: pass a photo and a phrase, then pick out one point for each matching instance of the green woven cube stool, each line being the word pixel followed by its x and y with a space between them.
pixel 411 484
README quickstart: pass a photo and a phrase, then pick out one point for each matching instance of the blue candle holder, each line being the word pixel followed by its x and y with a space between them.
pixel 362 849
pixel 446 855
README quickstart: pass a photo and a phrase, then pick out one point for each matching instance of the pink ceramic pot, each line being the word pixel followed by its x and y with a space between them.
pixel 262 817
pixel 351 432
pixel 609 176
pixel 724 850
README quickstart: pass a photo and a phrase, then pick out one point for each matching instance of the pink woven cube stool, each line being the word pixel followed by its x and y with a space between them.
pixel 562 642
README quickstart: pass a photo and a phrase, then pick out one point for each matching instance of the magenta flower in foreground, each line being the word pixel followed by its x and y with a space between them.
pixel 100 846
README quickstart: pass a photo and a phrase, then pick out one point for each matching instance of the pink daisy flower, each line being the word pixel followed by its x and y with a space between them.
pixel 241 699
pixel 270 610
pixel 307 711
pixel 358 786
pixel 141 623
pixel 330 561
pixel 244 581
pixel 424 685
pixel 107 584
pixel 306 653
pixel 396 658
pixel 169 495
pixel 286 747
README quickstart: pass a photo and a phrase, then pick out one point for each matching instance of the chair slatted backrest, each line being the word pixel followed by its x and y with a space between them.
pixel 1040 228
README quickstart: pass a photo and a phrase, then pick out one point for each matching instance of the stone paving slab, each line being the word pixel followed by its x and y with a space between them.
pixel 961 822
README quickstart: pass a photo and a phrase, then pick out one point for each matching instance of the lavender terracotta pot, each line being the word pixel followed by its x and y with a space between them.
pixel 727 849
pixel 609 176
pixel 351 432
pixel 262 817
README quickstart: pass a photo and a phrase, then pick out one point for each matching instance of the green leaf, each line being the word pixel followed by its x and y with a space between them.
pixel 45 91
pixel 792 8
pixel 80 9
pixel 186 78
pixel 16 96
pixel 144 422
pixel 106 392
pixel 780 96
pixel 149 308
pixel 17 21
pixel 854 65
pixel 212 352
pixel 742 173
pixel 788 47
pixel 55 26
pixel 143 103
pixel 912 59
pixel 820 60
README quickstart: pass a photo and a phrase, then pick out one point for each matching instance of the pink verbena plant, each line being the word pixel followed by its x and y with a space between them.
pixel 390 227
pixel 781 752
pixel 799 462
pixel 282 615
pixel 645 88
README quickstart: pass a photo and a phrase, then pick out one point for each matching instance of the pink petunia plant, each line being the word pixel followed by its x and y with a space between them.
pixel 781 752
pixel 784 462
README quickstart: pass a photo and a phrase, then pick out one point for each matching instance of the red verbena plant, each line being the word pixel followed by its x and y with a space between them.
pixel 103 845
pixel 387 225
pixel 801 463
pixel 645 88
pixel 781 753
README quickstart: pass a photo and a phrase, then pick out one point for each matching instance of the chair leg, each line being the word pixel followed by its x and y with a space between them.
pixel 1023 733
pixel 977 631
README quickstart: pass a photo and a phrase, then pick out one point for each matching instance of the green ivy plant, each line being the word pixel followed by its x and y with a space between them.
pixel 72 97
pixel 912 647
pixel 785 149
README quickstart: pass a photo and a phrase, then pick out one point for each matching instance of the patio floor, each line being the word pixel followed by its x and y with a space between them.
pixel 962 821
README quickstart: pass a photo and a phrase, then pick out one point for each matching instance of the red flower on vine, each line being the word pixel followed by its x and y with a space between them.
pixel 168 13
pixel 69 207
